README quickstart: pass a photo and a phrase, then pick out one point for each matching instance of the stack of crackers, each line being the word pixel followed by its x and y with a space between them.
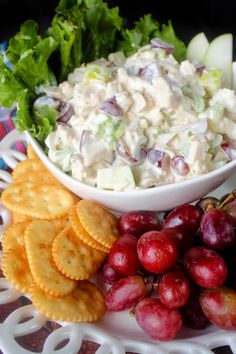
pixel 54 244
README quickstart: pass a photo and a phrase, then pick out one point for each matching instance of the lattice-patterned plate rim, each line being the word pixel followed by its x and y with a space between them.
pixel 117 333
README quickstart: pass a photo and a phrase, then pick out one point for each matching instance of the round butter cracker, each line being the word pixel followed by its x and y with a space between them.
pixel 100 224
pixel 39 237
pixel 38 201
pixel 74 258
pixel 85 304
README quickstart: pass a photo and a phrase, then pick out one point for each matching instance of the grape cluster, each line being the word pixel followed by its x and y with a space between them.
pixel 181 270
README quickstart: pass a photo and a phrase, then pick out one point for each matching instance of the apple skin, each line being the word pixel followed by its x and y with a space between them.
pixel 197 48
pixel 219 55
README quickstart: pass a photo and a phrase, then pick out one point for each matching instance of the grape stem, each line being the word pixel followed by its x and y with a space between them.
pixel 229 198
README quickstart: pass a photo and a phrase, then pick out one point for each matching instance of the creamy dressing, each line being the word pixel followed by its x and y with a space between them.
pixel 164 121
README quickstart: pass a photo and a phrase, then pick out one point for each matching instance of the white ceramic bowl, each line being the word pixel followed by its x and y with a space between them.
pixel 160 198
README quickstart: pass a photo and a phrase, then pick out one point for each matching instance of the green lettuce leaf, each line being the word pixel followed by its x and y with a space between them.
pixel 10 85
pixel 40 123
pixel 45 118
pixel 85 30
pixel 147 28
pixel 66 29
pixel 24 120
pixel 81 31
pixel 167 34
pixel 64 32
pixel 101 24
pixel 25 39
pixel 33 68
pixel 138 36
pixel 69 8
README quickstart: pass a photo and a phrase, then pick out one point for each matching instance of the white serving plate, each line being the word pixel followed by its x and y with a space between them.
pixel 117 333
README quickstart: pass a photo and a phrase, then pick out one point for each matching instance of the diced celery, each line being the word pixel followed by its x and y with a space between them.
pixel 215 115
pixel 160 131
pixel 190 134
pixel 63 157
pixel 111 130
pixel 199 104
pixel 165 114
pixel 187 91
pixel 214 144
pixel 96 72
pixel 218 140
pixel 186 148
pixel 220 158
pixel 119 129
pixel 161 54
pixel 211 150
pixel 211 80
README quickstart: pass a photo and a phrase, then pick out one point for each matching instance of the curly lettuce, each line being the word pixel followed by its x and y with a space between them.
pixel 81 31
pixel 144 30
pixel 40 122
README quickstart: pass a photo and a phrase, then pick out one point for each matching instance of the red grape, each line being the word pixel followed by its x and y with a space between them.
pixel 219 306
pixel 230 208
pixel 157 320
pixel 125 293
pixel 216 230
pixel 206 267
pixel 230 261
pixel 159 158
pixel 207 203
pixel 159 43
pixel 110 106
pixel 183 241
pixel 192 314
pixel 157 252
pixel 138 222
pixel 109 275
pixel 174 288
pixel 179 165
pixel 123 256
pixel 186 217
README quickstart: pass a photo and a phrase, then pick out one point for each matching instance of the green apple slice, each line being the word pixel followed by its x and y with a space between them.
pixel 219 55
pixel 197 48
pixel 118 178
